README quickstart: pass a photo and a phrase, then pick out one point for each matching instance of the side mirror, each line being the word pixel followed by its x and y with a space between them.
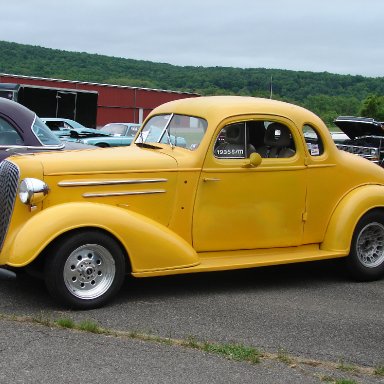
pixel 254 160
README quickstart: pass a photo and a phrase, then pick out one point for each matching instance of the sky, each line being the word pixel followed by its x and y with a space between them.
pixel 336 36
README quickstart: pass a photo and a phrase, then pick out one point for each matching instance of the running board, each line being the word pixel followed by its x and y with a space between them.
pixel 227 260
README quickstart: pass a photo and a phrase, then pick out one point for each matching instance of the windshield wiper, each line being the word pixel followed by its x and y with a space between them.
pixel 166 131
pixel 169 138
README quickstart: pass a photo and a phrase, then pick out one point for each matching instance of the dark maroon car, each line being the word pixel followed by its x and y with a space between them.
pixel 22 131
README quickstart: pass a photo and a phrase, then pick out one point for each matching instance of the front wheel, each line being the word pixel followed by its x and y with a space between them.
pixel 366 259
pixel 85 270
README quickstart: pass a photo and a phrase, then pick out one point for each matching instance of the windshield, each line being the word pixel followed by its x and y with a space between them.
pixel 44 134
pixel 118 129
pixel 178 130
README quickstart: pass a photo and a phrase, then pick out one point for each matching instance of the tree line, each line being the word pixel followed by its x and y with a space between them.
pixel 329 95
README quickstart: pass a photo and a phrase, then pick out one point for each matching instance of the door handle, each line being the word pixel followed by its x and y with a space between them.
pixel 211 179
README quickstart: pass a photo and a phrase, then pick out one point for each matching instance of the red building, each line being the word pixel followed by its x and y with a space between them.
pixel 115 103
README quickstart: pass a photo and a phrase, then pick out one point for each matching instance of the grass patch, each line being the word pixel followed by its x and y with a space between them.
pixel 65 323
pixel 234 351
pixel 89 326
pixel 379 371
pixel 230 351
pixel 85 326
pixel 347 367
pixel 331 380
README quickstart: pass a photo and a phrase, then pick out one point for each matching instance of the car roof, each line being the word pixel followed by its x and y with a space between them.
pixel 217 108
pixel 17 112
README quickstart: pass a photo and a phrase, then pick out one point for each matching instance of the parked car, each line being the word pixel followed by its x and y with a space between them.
pixel 70 130
pixel 121 129
pixel 247 190
pixel 116 134
pixel 339 137
pixel 21 131
pixel 364 137
pixel 57 123
pixel 123 134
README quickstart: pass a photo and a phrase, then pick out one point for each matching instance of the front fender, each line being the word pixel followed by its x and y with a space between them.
pixel 150 245
pixel 344 219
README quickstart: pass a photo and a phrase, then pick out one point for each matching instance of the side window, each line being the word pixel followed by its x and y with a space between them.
pixel 44 134
pixel 278 141
pixel 269 139
pixel 53 125
pixel 230 143
pixel 314 143
pixel 8 134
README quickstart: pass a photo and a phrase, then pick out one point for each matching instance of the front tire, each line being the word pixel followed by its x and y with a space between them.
pixel 85 270
pixel 366 259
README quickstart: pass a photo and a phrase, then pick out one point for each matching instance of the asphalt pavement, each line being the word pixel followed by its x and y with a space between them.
pixel 309 322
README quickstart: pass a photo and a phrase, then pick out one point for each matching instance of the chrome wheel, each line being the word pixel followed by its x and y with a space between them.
pixel 370 245
pixel 89 271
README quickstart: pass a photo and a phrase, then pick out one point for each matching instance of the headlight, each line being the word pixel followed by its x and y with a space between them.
pixel 32 191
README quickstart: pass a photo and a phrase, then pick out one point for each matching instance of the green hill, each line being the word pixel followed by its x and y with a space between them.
pixel 327 94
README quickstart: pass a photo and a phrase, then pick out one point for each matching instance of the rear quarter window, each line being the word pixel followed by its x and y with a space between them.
pixel 313 140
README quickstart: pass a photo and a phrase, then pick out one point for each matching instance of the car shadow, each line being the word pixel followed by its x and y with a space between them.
pixel 263 278
pixel 26 292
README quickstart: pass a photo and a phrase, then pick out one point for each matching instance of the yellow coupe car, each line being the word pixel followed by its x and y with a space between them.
pixel 251 182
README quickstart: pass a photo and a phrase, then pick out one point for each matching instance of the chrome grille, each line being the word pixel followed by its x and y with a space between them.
pixel 9 179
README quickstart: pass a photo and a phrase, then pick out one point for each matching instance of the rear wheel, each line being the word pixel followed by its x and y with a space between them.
pixel 366 259
pixel 85 270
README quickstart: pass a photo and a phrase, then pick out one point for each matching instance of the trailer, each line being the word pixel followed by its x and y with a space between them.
pixel 75 104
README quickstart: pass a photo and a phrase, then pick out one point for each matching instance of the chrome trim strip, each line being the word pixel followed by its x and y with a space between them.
pixel 128 193
pixel 108 182
pixel 42 148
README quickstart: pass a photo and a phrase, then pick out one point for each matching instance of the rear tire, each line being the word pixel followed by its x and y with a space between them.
pixel 85 270
pixel 366 259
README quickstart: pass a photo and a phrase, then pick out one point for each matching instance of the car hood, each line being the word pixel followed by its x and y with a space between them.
pixel 101 161
pixel 355 127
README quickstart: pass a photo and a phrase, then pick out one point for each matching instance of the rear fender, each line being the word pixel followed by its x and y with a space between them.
pixel 344 219
pixel 149 244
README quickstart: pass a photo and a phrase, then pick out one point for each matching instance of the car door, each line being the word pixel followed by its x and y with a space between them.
pixel 239 206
